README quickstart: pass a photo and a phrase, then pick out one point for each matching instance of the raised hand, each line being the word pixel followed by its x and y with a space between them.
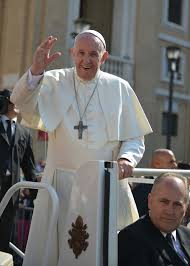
pixel 42 57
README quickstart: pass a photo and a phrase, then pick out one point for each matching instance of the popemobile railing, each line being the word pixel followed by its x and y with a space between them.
pixel 139 173
pixel 138 177
pixel 53 217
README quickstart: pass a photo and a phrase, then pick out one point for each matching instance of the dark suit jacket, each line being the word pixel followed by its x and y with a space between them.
pixel 142 244
pixel 21 156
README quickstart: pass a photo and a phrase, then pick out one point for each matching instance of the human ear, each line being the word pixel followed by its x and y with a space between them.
pixel 104 57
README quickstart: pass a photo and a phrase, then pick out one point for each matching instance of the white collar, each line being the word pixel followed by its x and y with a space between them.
pixel 4 118
pixel 173 234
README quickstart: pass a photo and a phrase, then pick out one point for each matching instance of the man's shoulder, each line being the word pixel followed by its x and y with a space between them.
pixel 135 227
pixel 143 231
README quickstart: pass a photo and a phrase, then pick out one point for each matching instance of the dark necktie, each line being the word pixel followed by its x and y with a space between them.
pixel 176 246
pixel 9 130
pixel 169 238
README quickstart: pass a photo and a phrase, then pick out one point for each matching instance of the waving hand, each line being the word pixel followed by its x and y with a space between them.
pixel 42 57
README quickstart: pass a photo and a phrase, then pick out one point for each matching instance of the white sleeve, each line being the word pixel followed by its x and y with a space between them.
pixel 33 81
pixel 133 150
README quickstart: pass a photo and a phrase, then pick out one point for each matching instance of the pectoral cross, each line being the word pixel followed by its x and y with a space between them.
pixel 80 128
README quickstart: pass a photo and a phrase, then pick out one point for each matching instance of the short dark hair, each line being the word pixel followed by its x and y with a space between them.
pixel 4 101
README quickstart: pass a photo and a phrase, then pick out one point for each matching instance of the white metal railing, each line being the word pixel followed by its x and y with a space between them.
pixel 141 172
pixel 16 250
pixel 119 66
pixel 54 211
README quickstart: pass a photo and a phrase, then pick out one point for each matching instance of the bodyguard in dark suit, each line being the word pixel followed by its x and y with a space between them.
pixel 158 239
pixel 15 153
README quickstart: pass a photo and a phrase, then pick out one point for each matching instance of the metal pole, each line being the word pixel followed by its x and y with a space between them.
pixel 169 116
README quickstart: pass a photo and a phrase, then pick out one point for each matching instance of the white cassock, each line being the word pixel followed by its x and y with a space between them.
pixel 114 118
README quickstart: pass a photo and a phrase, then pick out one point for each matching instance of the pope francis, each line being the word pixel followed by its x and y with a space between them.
pixel 89 115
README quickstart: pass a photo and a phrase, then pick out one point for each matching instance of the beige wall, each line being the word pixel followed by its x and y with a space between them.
pixel 147 67
pixel 55 24
pixel 16 36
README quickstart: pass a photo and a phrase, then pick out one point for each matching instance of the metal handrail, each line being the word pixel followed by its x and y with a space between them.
pixel 55 209
pixel 16 250
pixel 156 172
pixel 139 173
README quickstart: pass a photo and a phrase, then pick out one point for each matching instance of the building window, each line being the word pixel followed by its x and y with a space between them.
pixel 173 124
pixel 179 77
pixel 83 7
pixel 175 13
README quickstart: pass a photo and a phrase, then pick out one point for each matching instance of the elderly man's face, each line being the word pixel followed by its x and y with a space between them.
pixel 88 56
pixel 167 205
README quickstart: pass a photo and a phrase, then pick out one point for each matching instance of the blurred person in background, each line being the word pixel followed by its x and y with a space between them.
pixel 16 152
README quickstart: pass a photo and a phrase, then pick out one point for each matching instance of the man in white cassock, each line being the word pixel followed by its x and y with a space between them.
pixel 89 115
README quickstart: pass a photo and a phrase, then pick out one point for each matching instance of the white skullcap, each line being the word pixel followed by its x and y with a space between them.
pixel 95 33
